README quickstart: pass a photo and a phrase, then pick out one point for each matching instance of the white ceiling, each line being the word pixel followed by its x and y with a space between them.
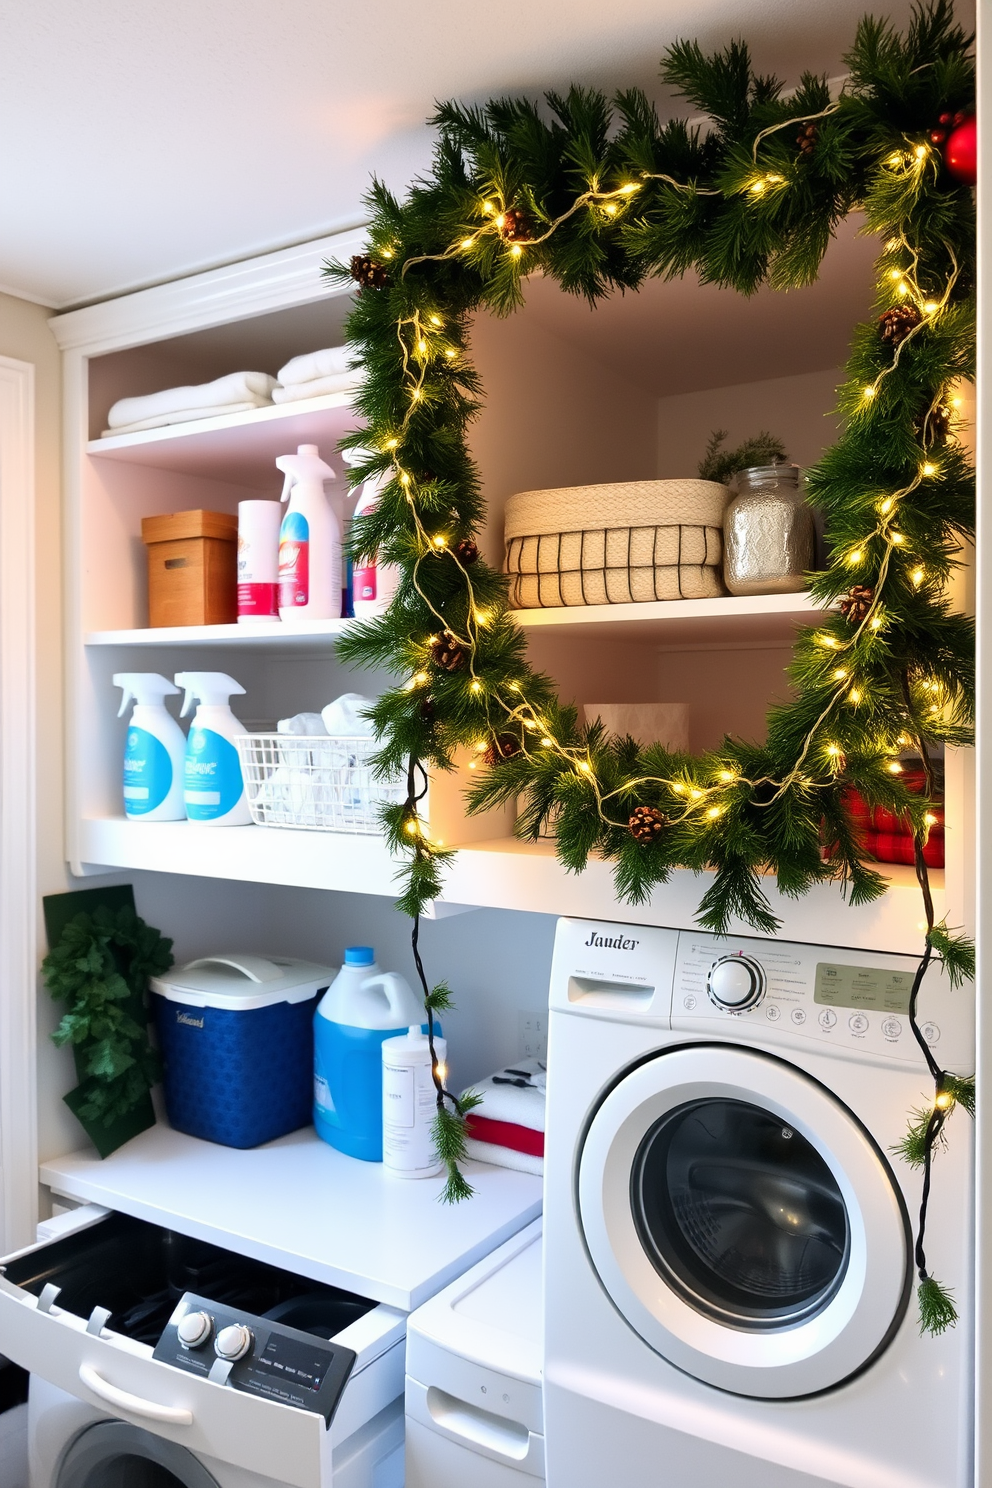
pixel 145 140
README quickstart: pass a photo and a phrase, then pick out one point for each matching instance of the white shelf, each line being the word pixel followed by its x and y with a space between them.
pixel 238 448
pixel 676 623
pixel 300 1204
pixel 267 635
pixel 679 623
pixel 499 874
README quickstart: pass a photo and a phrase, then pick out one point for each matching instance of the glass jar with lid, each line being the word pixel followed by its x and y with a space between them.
pixel 768 532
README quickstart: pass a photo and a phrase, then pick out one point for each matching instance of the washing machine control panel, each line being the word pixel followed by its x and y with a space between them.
pixel 849 1000
pixel 254 1355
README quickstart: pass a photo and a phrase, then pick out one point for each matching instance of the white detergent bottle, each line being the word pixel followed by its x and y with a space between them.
pixel 309 541
pixel 213 787
pixel 154 749
pixel 374 583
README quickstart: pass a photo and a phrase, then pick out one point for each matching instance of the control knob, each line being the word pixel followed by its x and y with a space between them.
pixel 194 1328
pixel 233 1342
pixel 736 983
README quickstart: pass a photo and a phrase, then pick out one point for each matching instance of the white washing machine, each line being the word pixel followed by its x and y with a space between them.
pixel 729 1284
pixel 159 1361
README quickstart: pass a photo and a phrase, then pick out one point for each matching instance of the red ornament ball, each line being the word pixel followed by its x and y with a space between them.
pixel 961 152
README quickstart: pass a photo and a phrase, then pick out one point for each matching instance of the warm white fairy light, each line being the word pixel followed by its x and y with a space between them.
pixel 869 392
pixel 895 768
pixel 714 812
pixel 854 696
pixel 840 674
pixel 917 577
pixel 829 641
pixel 928 469
pixel 855 558
pixel 516 250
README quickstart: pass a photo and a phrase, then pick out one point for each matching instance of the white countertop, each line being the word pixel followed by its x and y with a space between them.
pixel 300 1204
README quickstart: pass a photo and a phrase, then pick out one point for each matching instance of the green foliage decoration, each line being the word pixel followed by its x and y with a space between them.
pixel 719 464
pixel 100 966
pixel 599 196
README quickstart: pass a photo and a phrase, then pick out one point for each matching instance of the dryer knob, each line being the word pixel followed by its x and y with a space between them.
pixel 736 983
pixel 194 1328
pixel 234 1342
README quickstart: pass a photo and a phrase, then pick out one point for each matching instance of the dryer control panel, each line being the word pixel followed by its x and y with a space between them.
pixel 850 1000
pixel 252 1354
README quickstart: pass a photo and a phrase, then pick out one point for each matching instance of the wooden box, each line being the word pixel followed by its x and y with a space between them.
pixel 192 568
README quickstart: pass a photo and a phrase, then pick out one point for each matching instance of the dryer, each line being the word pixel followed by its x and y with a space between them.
pixel 729 1288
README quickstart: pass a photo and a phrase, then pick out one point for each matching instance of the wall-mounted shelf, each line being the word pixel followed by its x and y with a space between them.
pixel 236 448
pixel 501 873
pixel 750 620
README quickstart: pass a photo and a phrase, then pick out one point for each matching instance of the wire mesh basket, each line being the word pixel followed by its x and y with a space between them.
pixel 320 784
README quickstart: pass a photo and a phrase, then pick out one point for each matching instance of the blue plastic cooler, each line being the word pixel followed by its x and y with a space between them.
pixel 236 1035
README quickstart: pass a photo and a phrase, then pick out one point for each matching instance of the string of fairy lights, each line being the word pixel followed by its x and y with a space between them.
pixel 421 339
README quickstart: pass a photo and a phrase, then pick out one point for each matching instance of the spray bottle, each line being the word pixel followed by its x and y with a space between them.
pixel 309 540
pixel 213 788
pixel 153 750
pixel 373 583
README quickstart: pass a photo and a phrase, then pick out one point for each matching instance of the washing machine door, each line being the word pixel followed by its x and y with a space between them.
pixel 743 1222
pixel 114 1454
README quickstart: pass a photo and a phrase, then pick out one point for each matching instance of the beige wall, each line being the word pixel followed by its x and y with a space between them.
pixel 799 410
pixel 24 334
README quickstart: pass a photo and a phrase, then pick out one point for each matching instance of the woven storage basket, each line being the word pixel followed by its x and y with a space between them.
pixel 616 544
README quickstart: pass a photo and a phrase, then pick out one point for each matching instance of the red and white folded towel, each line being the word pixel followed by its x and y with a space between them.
pixel 508 1127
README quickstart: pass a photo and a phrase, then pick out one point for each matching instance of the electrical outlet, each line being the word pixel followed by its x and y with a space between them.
pixel 532 1041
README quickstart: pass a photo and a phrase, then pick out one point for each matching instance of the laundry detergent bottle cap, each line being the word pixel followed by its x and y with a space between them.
pixel 213 787
pixel 362 1007
pixel 154 749
pixel 309 540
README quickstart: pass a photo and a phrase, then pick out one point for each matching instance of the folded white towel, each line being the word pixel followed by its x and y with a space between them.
pixel 313 364
pixel 302 725
pixel 503 1157
pixel 296 392
pixel 236 387
pixel 516 1095
pixel 187 415
pixel 343 718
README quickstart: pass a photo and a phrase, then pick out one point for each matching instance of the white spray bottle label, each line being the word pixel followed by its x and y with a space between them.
pixel 212 777
pixel 147 772
pixel 294 561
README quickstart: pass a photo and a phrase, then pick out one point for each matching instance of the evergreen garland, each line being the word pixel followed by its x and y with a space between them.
pixel 600 196
pixel 100 964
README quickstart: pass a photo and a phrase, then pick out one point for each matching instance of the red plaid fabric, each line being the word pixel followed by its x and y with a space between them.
pixel 885 836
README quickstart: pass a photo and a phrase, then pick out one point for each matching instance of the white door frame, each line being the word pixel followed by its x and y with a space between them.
pixel 18 884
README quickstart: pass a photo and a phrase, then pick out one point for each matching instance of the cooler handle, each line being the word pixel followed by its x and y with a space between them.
pixel 255 968
pixel 170 1415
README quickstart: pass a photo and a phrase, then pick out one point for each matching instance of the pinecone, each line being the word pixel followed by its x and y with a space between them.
pixel 503 747
pixel 647 824
pixel 514 226
pixel 466 551
pixel 897 323
pixel 448 652
pixel 933 426
pixel 857 604
pixel 807 138
pixel 428 710
pixel 368 273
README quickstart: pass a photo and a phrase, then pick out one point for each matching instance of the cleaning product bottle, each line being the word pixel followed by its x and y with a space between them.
pixel 153 750
pixel 373 583
pixel 309 540
pixel 360 1008
pixel 409 1104
pixel 213 788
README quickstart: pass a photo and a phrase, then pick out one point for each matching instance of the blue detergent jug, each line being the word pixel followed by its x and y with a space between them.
pixel 362 1007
